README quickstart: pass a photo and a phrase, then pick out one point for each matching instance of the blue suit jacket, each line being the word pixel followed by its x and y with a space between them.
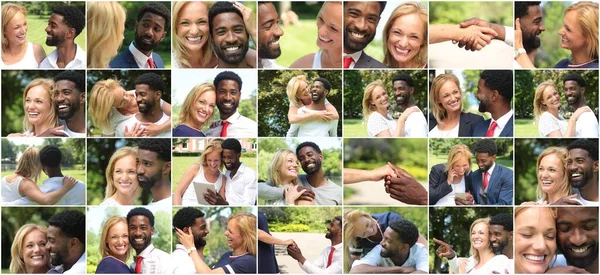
pixel 481 128
pixel 125 60
pixel 500 186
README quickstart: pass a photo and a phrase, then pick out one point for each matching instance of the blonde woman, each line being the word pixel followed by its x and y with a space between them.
pixel 28 250
pixel 114 247
pixel 546 105
pixel 451 181
pixel 106 25
pixel 197 111
pixel 553 180
pixel 283 173
pixel 405 37
pixel 122 185
pixel 23 182
pixel 375 105
pixel 535 234
pixel 17 52
pixel 39 108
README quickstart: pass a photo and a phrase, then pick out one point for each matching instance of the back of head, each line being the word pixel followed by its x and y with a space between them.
pixel 77 78
pixel 106 24
pixel 154 81
pixel 293 89
pixel 29 165
pixel 587 17
pixel 112 221
pixel 227 75
pixel 538 98
pixel 221 7
pixel 405 9
pixel 71 224
pixel 367 103
pixel 408 233
pixel 160 146
pixel 50 156
pixel 589 146
pixel 486 146
pixel 522 7
pixel 17 264
pixel 72 17
pixel 101 102
pixel 122 152
pixel 48 85
pixel 501 81
pixel 9 10
pixel 158 9
pixel 186 217
pixel 434 95
pixel 246 223
pixel 503 219
pixel 141 211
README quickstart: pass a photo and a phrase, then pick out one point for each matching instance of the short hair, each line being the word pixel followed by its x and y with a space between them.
pixel 325 82
pixel 154 81
pixel 186 217
pixel 71 224
pixel 486 146
pixel 232 144
pixel 161 146
pixel 185 114
pixel 293 89
pixel 504 219
pixel 404 77
pixel 141 211
pixel 564 188
pixel 222 7
pixel 456 153
pixel 211 148
pixel 367 101
pixel 309 144
pixel 587 145
pixel 420 59
pixel 29 165
pixel 574 77
pixel 538 98
pixel 499 80
pixel 50 156
pixel 158 9
pixel 587 18
pixel 439 113
pixel 75 77
pixel 108 173
pixel 339 219
pixel 227 75
pixel 72 16
pixel 408 233
pixel 17 264
pixel 112 221
pixel 101 101
pixel 273 173
pixel 9 10
pixel 381 6
pixel 48 85
pixel 521 8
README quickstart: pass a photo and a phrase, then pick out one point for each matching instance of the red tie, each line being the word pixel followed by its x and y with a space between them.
pixel 225 124
pixel 347 61
pixel 150 63
pixel 330 258
pixel 486 176
pixel 490 132
pixel 138 264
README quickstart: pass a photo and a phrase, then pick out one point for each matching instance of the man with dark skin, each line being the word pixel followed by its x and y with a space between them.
pixel 530 17
pixel 148 259
pixel 495 92
pixel 154 169
pixel 360 25
pixel 64 25
pixel 574 88
pixel 582 168
pixel 501 234
pixel 69 99
pixel 310 157
pixel 269 33
pixel 322 265
pixel 319 91
pixel 229 36
pixel 189 219
pixel 66 242
pixel 416 124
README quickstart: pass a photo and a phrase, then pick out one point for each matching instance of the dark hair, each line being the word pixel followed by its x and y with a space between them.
pixel 504 219
pixel 521 8
pixel 72 16
pixel 222 7
pixel 325 82
pixel 154 81
pixel 228 75
pixel 50 156
pixel 186 217
pixel 587 145
pixel 264 2
pixel 309 144
pixel 141 211
pixel 486 146
pixel 575 77
pixel 232 144
pixel 160 146
pixel 381 6
pixel 71 223
pixel 158 9
pixel 75 77
pixel 408 232
pixel 499 80
pixel 339 219
pixel 404 77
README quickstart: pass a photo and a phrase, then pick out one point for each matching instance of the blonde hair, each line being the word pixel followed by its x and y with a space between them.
pixel 472 250
pixel 439 113
pixel 17 264
pixel 29 165
pixel 47 84
pixel 117 155
pixel 246 223
pixel 366 101
pixel 456 154
pixel 185 114
pixel 106 24
pixel 587 17
pixel 274 173
pixel 181 53
pixel 406 9
pixel 214 146
pixel 9 10
pixel 538 99
pixel 102 99
pixel 350 218
pixel 293 88
pixel 104 249
pixel 565 188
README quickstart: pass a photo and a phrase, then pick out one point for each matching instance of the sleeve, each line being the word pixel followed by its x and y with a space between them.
pixel 590 125
pixel 453 265
pixel 268 192
pixel 249 196
pixel 509 35
pixel 423 260
pixel 333 128
pixel 416 126
pixel 104 267
pixel 547 124
pixel 376 125
pixel 438 185
pixel 242 265
pixel 293 131
pixel 318 266
pixel 372 258
pixel 506 189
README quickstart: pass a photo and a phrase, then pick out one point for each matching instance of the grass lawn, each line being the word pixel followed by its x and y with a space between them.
pixel 36 34
pixel 525 128
pixel 78 174
pixel 180 164
pixel 433 160
pixel 354 128
pixel 298 41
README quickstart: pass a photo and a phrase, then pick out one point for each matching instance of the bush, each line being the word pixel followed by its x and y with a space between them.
pixel 289 228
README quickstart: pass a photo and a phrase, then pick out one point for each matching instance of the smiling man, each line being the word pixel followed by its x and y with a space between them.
pixel 501 234
pixel 330 259
pixel 495 92
pixel 69 99
pixel 64 25
pixel 148 259
pixel 492 183
pixel 66 242
pixel 416 124
pixel 189 219
pixel 154 169
pixel 269 33
pixel 582 166
pixel 360 25
pixel 586 125
pixel 577 237
pixel 229 36
pixel 318 92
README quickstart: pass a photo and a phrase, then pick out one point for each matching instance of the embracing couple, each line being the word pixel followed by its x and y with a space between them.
pixel 310 113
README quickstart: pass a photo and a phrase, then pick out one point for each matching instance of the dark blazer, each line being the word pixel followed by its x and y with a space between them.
pixel 125 60
pixel 438 183
pixel 365 61
pixel 500 186
pixel 112 266
pixel 481 128
pixel 466 124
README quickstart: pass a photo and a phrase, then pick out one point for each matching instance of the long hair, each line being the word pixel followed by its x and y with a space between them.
pixel 434 95
pixel 538 99
pixel 564 188
pixel 274 174
pixel 17 264
pixel 29 165
pixel 587 17
pixel 210 148
pixel 366 101
pixel 293 89
pixel 350 218
pixel 102 99
pixel 48 85
pixel 185 115
pixel 9 11
pixel 472 250
pixel 106 23
pixel 122 152
pixel 405 9
pixel 104 249
pixel 181 52
pixel 246 223
pixel 456 153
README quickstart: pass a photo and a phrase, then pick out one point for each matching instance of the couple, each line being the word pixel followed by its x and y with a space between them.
pixel 64 25
pixel 237 186
pixel 21 187
pixel 147 166
pixel 546 105
pixel 310 114
pixel 60 248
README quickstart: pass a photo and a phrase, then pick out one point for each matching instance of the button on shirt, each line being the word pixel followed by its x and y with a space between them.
pixel 319 266
pixel 241 189
pixel 240 126
pixel 79 62
pixel 417 259
pixel 155 261
pixel 182 262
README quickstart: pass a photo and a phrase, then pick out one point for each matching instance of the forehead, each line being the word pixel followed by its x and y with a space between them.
pixel 66 84
pixel 496 227
pixel 38 91
pixel 266 12
pixel 214 154
pixel 578 153
pixel 118 227
pixel 481 155
pixel 195 9
pixel 480 226
pixel 53 231
pixel 34 234
pixel 571 83
pixel 364 7
pixel 199 222
pixel 306 150
pixel 139 220
pixel 228 84
pixel 228 152
pixel 318 83
pixel 56 18
pixel 147 154
pixel 533 12
pixel 576 214
pixel 400 83
pixel 448 86
pixel 550 159
pixel 126 160
pixel 550 90
pixel 227 19
pixel 410 22
pixel 390 233
pixel 149 17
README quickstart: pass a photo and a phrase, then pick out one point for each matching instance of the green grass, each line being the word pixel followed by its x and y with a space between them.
pixel 433 160
pixel 180 164
pixel 78 174
pixel 525 128
pixel 355 128
pixel 298 41
pixel 37 24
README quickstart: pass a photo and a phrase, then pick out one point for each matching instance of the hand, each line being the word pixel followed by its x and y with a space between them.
pixel 289 242
pixel 185 238
pixel 467 201
pixel 292 193
pixel 568 200
pixel 498 272
pixel 453 177
pixel 151 129
pixel 295 253
pixel 403 187
pixel 54 132
pixel 462 266
pixel 475 37
pixel 380 173
pixel 308 195
pixel 136 131
pixel 69 181
pixel 324 116
pixel 518 34
pixel 248 17
pixel 567 270
pixel 580 111
pixel 214 198
pixel 444 250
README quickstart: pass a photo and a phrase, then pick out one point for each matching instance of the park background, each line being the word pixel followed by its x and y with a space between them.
pixel 440 147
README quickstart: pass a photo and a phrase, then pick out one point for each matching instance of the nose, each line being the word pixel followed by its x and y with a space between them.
pixel 149 32
pixel 542 27
pixel 538 243
pixel 561 31
pixel 59 97
pixel 278 31
pixel 230 37
pixel 360 23
pixel 140 169
pixel 47 29
pixel 403 42
pixel 577 237
pixel 195 29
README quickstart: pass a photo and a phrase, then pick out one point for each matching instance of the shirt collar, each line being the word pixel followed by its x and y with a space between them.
pixel 146 252
pixel 140 58
pixel 338 246
pixel 240 171
pixel 233 118
pixel 80 56
pixel 355 56
pixel 503 120
pixel 491 170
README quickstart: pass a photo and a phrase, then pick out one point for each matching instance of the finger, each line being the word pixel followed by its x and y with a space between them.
pixel 489 31
pixel 517 24
pixel 468 22
pixel 442 243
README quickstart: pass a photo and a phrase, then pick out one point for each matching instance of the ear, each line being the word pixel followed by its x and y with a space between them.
pixel 166 168
pixel 595 166
pixel 510 235
pixel 158 95
pixel 82 98
pixel 411 91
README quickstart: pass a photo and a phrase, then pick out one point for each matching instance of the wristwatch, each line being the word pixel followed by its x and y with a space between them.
pixel 190 250
pixel 519 51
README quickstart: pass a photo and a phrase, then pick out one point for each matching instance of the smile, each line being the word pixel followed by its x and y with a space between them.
pixel 147 40
pixel 576 175
pixel 580 250
pixel 401 51
pixel 232 49
pixel 274 43
pixel 63 106
pixel 546 182
pixel 357 35
pixel 325 39
pixel 535 258
pixel 228 105
pixel 194 39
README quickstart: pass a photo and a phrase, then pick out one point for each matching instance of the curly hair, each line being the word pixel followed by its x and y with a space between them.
pixel 232 144
pixel 141 211
pixel 50 156
pixel 154 81
pixel 309 144
pixel 71 224
pixel 404 77
pixel 499 80
pixel 161 146
pixel 486 146
pixel 521 8
pixel 325 82
pixel 503 219
pixel 186 217
pixel 73 76
pixel 408 232
pixel 158 9
pixel 228 75
pixel 222 7
pixel 575 77
pixel 72 17
pixel 587 145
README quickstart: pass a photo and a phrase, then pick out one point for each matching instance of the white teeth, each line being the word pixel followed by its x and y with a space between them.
pixel 535 258
pixel 37 257
pixel 576 175
pixel 125 184
pixel 231 49
pixel 580 250
pixel 138 240
pixel 274 43
pixel 546 182
pixel 324 39
pixel 63 106
pixel 194 39
pixel 48 36
pixel 312 165
pixel 357 35
pixel 401 50
pixel 52 254
pixel 33 114
pixel 228 105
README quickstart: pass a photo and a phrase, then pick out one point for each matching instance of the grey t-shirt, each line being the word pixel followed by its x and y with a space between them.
pixel 329 194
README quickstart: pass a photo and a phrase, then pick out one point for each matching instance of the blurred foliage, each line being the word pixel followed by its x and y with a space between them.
pixel 500 12
pixel 296 219
pixel 72 149
pixel 550 51
pixel 442 146
pixel 273 102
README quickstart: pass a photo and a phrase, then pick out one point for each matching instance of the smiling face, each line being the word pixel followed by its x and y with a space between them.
pixel 499 238
pixel 269 31
pixel 117 240
pixel 192 26
pixel 199 230
pixel 402 92
pixel 125 175
pixel 35 255
pixel 213 161
pixel 140 232
pixel 480 236
pixel 551 173
pixel 581 168
pixel 38 105
pixel 329 26
pixel 228 97
pixel 229 37
pixel 149 32
pixel 405 39
pixel 365 227
pixel 68 99
pixel 573 92
pixel 391 244
pixel 360 24
pixel 318 92
pixel 56 31
pixel 334 228
pixel 289 167
pixel 231 159
pixel 484 161
pixel 450 97
pixel 303 94
pixel 551 98
pixel 146 98
pixel 16 30
pixel 380 99
pixel 535 240
pixel 461 166
pixel 532 26
pixel 203 107
pixel 58 245
pixel 233 234
pixel 121 100
pixel 310 160
pixel 484 95
pixel 578 235
pixel 572 37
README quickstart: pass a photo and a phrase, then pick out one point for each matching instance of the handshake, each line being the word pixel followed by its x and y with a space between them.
pixel 474 34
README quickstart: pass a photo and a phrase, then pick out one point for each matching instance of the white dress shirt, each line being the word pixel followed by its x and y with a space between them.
pixel 79 267
pixel 70 132
pixel 182 262
pixel 240 126
pixel 355 57
pixel 241 189
pixel 140 58
pixel 319 266
pixel 79 62
pixel 155 261
pixel 501 122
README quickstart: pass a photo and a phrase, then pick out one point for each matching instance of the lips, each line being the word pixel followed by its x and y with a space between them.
pixel 147 40
pixel 138 241
pixel 33 114
pixel 536 259
pixel 194 40
pixel 576 176
pixel 401 51
pixel 324 39
pixel 581 251
pixel 357 36
pixel 227 104
pixel 311 166
pixel 52 254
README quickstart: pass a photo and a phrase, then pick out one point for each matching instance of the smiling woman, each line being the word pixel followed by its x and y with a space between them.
pixel 28 251
pixel 114 247
pixel 121 178
pixel 546 104
pixel 405 37
pixel 39 107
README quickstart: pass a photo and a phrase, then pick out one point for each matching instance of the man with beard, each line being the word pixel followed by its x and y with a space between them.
pixel 228 86
pixel 415 125
pixel 492 182
pixel 69 99
pixel 149 259
pixel 66 242
pixel 229 36
pixel 582 166
pixel 189 220
pixel 64 25
pixel 148 89
pixel 587 123
pixel 269 33
pixel 531 19
pixel 154 169
pixel 501 234
pixel 151 28
pixel 319 91
pixel 577 239
pixel 360 25
pixel 398 252
pixel 494 92
pixel 330 259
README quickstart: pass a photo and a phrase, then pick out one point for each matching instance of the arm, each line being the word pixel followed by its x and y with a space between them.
pixel 39 53
pixel 29 189
pixel 572 126
pixel 333 128
pixel 402 120
pixel 438 185
pixel 268 238
pixel 522 59
pixel 332 111
pixel 165 107
pixel 185 181
pixel 294 117
pixel 357 175
pixel 478 36
pixel 304 62
pixel 506 190
pixel 268 192
pixel 187 240
pixel 367 269
pixel 249 20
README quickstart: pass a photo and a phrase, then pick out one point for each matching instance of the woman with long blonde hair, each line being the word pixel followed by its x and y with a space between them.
pixel 122 186
pixel 546 105
pixel 17 52
pixel 552 174
pixel 375 105
pixel 39 108
pixel 448 181
pixel 105 34
pixel 405 37
pixel 196 111
pixel 114 247
pixel 28 250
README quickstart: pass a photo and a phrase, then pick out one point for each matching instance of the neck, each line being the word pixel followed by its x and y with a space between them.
pixel 593 268
pixel 195 58
pixel 590 191
pixel 409 64
pixel 578 104
pixel 382 111
pixel 36 269
pixel 580 57
pixel 320 105
pixel 68 263
pixel 239 251
pixel 54 172
pixel 508 250
pixel 316 179
pixel 331 59
pixel 407 104
pixel 553 197
pixel 77 122
pixel 147 53
pixel 122 258
pixel 452 116
pixel 207 172
pixel 195 124
pixel 225 116
pixel 501 109
pixel 152 117
pixel 531 55
pixel 401 257
pixel 348 50
pixel 66 53
pixel 15 50
pixel 234 169
pixel 42 127
pixel 123 199
pixel 553 111
pixel 335 240
pixel 485 255
pixel 161 190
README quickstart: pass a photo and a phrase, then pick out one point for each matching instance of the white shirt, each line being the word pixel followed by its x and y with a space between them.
pixel 79 62
pixel 182 262
pixel 355 57
pixel 498 264
pixel 241 189
pixel 316 128
pixel 130 123
pixel 456 188
pixel 584 201
pixel 319 266
pixel 415 125
pixel 502 121
pixel 437 133
pixel 27 62
pixel 140 58
pixel 110 202
pixel 79 267
pixel 378 123
pixel 166 201
pixel 69 131
pixel 240 126
pixel 418 258
pixel 155 261
pixel 586 126
pixel 270 64
pixel 75 196
pixel 548 123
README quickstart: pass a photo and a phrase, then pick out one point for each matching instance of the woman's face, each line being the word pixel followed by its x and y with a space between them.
pixel 234 237
pixel 121 98
pixel 34 249
pixel 450 97
pixel 551 173
pixel 38 105
pixel 535 243
pixel 303 92
pixel 329 27
pixel 16 30
pixel 204 107
pixel 571 33
pixel 480 236
pixel 551 98
pixel 192 26
pixel 213 161
pixel 405 38
pixel 289 167
pixel 365 227
pixel 461 166
pixel 125 175
pixel 380 98
pixel 118 239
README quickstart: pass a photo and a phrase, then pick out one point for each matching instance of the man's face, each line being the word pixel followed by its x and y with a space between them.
pixel 310 160
pixel 532 26
pixel 391 244
pixel 269 31
pixel 334 228
pixel 140 232
pixel 149 31
pixel 402 92
pixel 228 97
pixel 573 92
pixel 146 98
pixel 229 38
pixel 581 168
pixel 318 92
pixel 577 234
pixel 231 159
pixel 149 168
pixel 57 245
pixel 360 24
pixel 484 161
pixel 56 30
pixel 200 230
pixel 484 95
pixel 68 99
pixel 499 237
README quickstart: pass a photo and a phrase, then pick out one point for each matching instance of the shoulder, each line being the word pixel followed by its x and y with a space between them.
pixel 438 167
pixel 471 117
pixel 562 64
pixel 251 58
pixel 304 62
